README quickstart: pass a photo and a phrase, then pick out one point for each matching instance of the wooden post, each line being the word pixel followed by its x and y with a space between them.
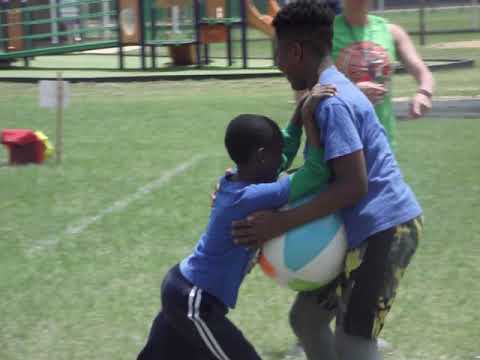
pixel 59 131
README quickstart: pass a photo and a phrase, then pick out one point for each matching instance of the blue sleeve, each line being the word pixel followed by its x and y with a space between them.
pixel 338 133
pixel 266 196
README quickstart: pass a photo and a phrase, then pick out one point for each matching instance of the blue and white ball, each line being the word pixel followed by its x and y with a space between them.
pixel 308 257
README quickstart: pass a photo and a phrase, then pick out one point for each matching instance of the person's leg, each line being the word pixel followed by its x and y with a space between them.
pixel 164 343
pixel 370 288
pixel 169 337
pixel 200 320
pixel 215 331
pixel 355 347
pixel 310 318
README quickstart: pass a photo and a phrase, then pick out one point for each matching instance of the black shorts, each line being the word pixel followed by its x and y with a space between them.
pixel 363 295
pixel 193 325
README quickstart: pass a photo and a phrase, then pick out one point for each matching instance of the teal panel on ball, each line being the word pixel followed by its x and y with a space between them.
pixel 303 244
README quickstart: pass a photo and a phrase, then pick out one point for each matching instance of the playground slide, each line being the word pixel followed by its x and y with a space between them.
pixel 260 21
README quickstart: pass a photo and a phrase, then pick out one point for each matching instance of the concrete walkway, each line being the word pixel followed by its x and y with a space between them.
pixel 447 107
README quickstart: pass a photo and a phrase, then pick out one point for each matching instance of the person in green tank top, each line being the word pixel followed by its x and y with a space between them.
pixel 365 49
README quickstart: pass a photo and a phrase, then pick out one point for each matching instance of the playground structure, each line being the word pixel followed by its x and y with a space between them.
pixel 262 22
pixel 30 28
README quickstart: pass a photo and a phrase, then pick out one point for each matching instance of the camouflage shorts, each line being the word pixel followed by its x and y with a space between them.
pixel 363 295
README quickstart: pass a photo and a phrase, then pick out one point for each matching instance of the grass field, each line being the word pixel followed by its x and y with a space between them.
pixel 84 245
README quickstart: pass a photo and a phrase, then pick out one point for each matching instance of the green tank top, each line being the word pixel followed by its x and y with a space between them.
pixel 367 53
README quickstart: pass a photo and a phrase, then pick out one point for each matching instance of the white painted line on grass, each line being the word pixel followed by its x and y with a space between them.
pixel 118 205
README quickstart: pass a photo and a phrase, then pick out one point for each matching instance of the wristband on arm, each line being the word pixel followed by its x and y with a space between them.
pixel 425 92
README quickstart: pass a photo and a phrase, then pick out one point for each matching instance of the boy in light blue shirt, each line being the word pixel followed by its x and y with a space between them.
pixel 381 214
pixel 197 293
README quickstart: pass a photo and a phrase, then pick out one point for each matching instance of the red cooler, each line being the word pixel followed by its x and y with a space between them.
pixel 24 146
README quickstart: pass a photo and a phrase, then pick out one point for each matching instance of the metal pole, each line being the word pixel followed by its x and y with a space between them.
pixel 27 29
pixel 475 17
pixel 121 63
pixel 141 25
pixel 59 130
pixel 153 34
pixel 243 14
pixel 176 19
pixel 196 9
pixel 381 5
pixel 3 16
pixel 422 23
pixel 54 24
pixel 206 54
pixel 106 18
pixel 229 45
pixel 153 53
pixel 153 22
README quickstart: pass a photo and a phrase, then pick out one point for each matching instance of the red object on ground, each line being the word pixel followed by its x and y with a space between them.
pixel 24 146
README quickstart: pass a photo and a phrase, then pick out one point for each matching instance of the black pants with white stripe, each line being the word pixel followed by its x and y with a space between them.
pixel 193 325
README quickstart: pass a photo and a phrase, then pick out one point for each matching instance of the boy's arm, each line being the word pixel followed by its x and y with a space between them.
pixel 349 187
pixel 292 138
pixel 344 150
pixel 314 174
pixel 311 177
pixel 292 134
pixel 266 196
pixel 422 100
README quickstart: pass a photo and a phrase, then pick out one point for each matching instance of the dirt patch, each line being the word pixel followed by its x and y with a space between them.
pixel 472 44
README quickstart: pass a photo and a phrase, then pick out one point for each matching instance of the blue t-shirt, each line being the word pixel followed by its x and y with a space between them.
pixel 348 123
pixel 217 265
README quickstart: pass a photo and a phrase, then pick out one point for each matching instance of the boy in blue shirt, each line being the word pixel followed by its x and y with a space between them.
pixel 381 214
pixel 197 293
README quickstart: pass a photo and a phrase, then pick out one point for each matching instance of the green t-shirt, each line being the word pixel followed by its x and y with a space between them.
pixel 367 53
